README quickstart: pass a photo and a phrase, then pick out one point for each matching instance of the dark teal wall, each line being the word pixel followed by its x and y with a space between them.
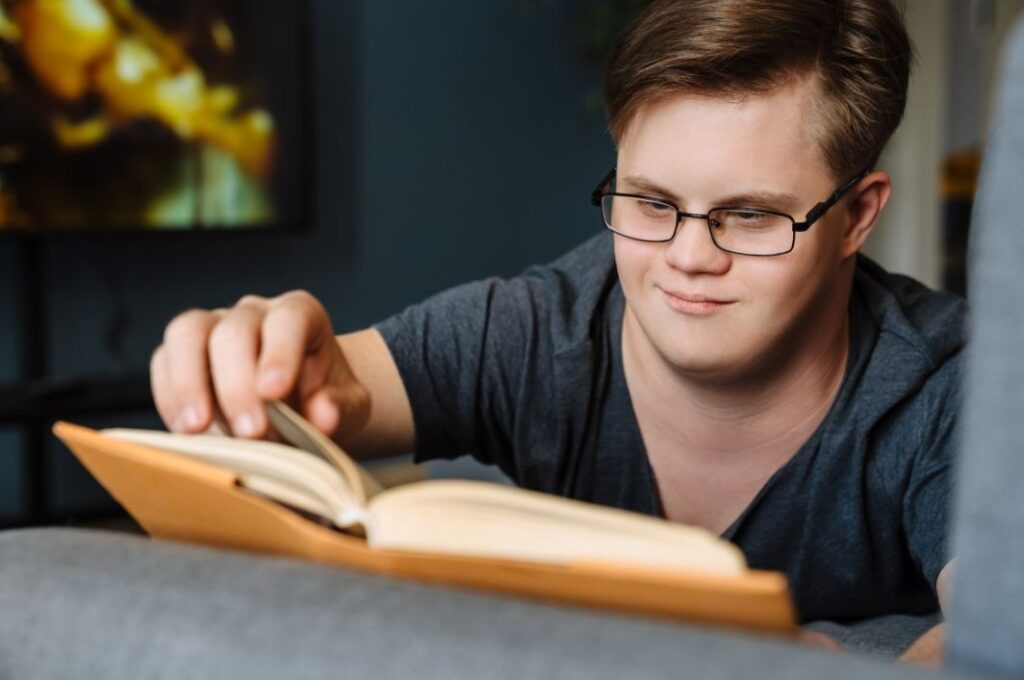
pixel 450 143
pixel 10 440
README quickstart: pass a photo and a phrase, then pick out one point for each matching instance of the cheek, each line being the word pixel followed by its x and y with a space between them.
pixel 776 279
pixel 633 260
pixel 785 286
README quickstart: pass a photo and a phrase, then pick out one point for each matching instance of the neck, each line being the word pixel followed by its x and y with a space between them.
pixel 764 409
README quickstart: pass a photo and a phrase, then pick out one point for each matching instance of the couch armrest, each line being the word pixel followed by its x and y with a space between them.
pixel 97 604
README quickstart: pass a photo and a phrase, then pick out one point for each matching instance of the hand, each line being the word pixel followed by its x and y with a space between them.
pixel 817 639
pixel 930 648
pixel 231 360
pixel 927 650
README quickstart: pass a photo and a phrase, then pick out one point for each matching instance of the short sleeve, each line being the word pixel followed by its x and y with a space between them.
pixel 464 356
pixel 479 361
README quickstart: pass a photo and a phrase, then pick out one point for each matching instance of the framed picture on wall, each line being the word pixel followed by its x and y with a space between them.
pixel 153 115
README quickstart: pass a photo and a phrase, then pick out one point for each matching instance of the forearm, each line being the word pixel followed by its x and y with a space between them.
pixel 389 429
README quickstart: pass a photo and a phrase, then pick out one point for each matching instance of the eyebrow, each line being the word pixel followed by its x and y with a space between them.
pixel 779 200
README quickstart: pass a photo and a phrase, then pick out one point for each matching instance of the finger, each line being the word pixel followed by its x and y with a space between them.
pixel 327 389
pixel 233 349
pixel 318 370
pixel 181 382
pixel 159 387
pixel 292 336
pixel 338 409
pixel 323 410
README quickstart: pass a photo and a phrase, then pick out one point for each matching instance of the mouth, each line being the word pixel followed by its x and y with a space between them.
pixel 692 303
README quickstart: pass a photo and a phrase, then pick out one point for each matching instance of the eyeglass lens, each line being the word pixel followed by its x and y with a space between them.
pixel 746 232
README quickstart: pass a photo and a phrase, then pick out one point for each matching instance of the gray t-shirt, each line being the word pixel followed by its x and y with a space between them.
pixel 527 374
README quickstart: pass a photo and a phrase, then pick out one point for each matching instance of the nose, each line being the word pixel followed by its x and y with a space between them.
pixel 693 251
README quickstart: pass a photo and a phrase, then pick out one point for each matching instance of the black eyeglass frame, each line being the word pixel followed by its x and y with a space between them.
pixel 813 215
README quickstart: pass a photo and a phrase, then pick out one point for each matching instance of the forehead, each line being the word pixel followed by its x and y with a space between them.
pixel 761 139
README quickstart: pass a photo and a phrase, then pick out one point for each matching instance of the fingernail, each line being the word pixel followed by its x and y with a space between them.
pixel 188 419
pixel 244 426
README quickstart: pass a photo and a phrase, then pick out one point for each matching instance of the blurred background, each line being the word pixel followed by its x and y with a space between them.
pixel 372 153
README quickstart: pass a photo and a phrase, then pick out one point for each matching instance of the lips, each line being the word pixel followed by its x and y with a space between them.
pixel 694 303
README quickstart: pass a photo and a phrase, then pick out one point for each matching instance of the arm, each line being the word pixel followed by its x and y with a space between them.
pixel 928 649
pixel 389 427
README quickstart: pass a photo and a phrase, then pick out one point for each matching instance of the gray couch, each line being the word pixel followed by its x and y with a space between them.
pixel 102 605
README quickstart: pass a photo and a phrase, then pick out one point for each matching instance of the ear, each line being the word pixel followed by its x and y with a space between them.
pixel 863 206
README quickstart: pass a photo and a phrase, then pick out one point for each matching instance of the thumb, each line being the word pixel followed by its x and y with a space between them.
pixel 338 410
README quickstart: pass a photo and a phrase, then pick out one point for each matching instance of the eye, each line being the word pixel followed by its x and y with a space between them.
pixel 750 217
pixel 749 220
pixel 745 219
pixel 655 209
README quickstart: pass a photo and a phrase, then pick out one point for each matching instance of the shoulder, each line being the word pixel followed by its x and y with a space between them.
pixel 911 321
pixel 905 378
pixel 554 303
pixel 580 273
pixel 484 363
pixel 570 294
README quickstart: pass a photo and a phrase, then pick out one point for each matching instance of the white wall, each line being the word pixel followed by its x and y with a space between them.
pixel 959 43
pixel 906 238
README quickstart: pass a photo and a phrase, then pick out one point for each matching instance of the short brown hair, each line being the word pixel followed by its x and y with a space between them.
pixel 858 50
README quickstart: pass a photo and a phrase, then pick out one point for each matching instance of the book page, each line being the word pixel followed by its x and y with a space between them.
pixel 301 434
pixel 490 520
pixel 279 471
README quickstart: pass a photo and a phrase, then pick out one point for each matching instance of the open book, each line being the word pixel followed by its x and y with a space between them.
pixel 308 498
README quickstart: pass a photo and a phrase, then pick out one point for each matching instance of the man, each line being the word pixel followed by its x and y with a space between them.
pixel 723 358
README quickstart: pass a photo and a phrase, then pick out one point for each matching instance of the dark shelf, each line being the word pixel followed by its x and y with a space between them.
pixel 48 399
pixel 104 517
pixel 35 399
pixel 34 404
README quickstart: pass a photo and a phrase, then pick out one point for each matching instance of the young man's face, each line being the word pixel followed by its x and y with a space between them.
pixel 709 313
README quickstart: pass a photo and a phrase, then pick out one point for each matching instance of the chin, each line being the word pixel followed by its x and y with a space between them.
pixel 711 364
pixel 721 353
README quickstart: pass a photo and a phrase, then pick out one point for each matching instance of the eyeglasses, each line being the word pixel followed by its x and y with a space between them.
pixel 734 229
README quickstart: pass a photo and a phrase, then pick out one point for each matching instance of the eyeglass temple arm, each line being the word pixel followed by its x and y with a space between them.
pixel 595 197
pixel 815 213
